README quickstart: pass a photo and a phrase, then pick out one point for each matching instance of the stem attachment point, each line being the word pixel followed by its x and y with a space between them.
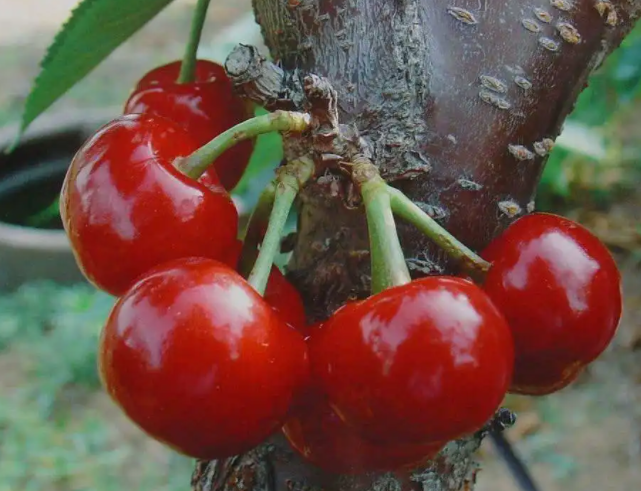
pixel 196 164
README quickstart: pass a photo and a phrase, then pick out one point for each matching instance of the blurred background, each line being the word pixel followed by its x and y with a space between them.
pixel 58 431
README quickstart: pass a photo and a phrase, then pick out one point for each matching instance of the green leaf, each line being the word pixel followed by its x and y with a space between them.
pixel 94 30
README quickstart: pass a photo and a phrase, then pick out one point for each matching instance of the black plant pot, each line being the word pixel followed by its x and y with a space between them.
pixel 33 244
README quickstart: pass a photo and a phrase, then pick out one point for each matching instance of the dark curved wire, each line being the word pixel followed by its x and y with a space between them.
pixel 515 464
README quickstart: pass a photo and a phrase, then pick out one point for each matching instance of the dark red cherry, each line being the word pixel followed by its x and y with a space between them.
pixel 279 293
pixel 320 436
pixel 560 291
pixel 428 361
pixel 204 108
pixel 233 254
pixel 285 299
pixel 126 208
pixel 198 360
pixel 168 74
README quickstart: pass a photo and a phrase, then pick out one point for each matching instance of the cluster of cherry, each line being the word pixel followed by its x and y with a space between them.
pixel 202 362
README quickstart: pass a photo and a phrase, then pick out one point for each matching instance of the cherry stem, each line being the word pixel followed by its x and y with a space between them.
pixel 408 210
pixel 288 182
pixel 381 203
pixel 386 254
pixel 196 164
pixel 258 222
pixel 188 67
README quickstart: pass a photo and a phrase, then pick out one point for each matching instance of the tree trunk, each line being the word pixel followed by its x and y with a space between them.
pixel 458 103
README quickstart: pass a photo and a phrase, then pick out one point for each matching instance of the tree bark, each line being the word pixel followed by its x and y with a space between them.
pixel 458 103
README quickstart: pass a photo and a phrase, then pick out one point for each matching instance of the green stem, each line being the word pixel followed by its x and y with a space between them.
pixel 195 164
pixel 258 222
pixel 188 67
pixel 388 263
pixel 288 182
pixel 406 209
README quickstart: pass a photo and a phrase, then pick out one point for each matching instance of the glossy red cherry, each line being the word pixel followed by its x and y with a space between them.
pixel 126 209
pixel 279 293
pixel 320 436
pixel 285 299
pixel 168 74
pixel 233 254
pixel 428 361
pixel 197 359
pixel 211 181
pixel 204 108
pixel 560 291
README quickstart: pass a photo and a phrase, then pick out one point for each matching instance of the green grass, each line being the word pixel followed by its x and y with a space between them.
pixel 52 435
pixel 602 112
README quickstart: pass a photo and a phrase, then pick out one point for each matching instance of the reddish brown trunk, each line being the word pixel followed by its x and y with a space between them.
pixel 457 102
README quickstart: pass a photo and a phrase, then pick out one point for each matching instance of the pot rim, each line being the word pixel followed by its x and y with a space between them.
pixel 33 238
pixel 54 124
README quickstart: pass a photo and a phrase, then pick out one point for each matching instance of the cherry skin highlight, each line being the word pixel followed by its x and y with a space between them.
pixel 319 435
pixel 211 181
pixel 126 209
pixel 424 362
pixel 199 361
pixel 204 108
pixel 560 291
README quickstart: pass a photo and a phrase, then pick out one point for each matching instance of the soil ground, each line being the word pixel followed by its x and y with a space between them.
pixel 587 437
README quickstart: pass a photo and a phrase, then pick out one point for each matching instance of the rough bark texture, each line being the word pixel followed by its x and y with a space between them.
pixel 458 103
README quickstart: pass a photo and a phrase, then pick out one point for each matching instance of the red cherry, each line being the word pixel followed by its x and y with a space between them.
pixel 279 293
pixel 311 328
pixel 211 181
pixel 126 209
pixel 233 254
pixel 285 299
pixel 197 359
pixel 428 361
pixel 168 74
pixel 320 436
pixel 205 108
pixel 560 291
